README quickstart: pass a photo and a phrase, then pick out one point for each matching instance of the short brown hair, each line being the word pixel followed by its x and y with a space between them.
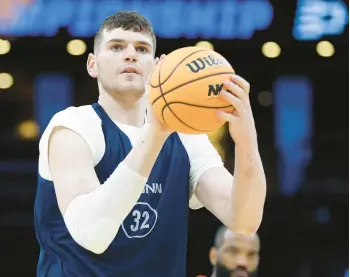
pixel 129 21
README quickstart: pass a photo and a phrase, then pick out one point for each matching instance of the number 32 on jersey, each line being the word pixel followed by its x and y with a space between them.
pixel 140 221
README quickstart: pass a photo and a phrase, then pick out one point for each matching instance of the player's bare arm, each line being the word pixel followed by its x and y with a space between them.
pixel 238 200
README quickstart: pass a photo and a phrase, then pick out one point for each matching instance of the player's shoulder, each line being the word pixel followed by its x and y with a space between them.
pixel 84 121
pixel 81 114
pixel 79 119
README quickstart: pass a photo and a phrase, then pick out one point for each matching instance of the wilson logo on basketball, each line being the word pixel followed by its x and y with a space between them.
pixel 214 90
pixel 201 63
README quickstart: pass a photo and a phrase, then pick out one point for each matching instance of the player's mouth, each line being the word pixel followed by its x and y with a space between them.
pixel 240 273
pixel 130 70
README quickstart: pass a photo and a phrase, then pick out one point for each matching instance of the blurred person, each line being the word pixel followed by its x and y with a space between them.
pixel 234 255
pixel 114 186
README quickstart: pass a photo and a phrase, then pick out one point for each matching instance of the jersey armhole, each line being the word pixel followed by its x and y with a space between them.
pixel 82 120
pixel 203 156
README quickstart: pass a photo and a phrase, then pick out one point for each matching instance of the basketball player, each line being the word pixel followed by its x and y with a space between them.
pixel 234 255
pixel 114 186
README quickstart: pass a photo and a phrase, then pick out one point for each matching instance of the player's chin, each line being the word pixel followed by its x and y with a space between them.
pixel 132 87
pixel 130 77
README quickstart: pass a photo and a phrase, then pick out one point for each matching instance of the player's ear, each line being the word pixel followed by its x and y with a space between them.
pixel 213 253
pixel 91 66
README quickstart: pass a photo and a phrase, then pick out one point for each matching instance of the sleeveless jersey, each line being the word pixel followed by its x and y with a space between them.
pixel 152 240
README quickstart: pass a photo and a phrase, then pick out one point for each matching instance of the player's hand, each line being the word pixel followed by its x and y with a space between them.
pixel 241 120
pixel 159 60
pixel 152 122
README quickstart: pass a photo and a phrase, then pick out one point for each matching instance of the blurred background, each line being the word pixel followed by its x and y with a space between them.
pixel 294 53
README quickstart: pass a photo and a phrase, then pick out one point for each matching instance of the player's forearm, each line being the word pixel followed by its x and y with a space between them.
pixel 93 219
pixel 249 189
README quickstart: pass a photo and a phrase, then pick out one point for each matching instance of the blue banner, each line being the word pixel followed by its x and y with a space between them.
pixel 223 19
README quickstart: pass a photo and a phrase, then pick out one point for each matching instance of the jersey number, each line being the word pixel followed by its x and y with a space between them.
pixel 137 216
pixel 140 222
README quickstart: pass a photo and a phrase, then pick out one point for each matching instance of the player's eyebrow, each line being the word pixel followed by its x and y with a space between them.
pixel 142 42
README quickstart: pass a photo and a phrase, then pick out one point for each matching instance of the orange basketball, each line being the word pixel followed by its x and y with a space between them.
pixel 184 90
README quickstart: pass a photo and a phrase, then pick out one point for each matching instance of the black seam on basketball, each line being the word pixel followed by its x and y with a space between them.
pixel 200 106
pixel 188 82
pixel 161 95
pixel 176 67
pixel 167 106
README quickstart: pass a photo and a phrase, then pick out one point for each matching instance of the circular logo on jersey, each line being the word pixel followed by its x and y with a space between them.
pixel 140 221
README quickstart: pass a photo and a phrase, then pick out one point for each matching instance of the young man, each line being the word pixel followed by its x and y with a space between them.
pixel 234 255
pixel 114 187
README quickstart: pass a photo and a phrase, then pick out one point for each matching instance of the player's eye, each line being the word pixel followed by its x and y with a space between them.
pixel 116 47
pixel 142 49
pixel 232 250
pixel 252 254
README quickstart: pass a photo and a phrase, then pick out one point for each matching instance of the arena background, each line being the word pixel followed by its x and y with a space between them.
pixel 295 55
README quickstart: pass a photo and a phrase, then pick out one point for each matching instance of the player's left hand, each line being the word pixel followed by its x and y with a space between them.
pixel 241 120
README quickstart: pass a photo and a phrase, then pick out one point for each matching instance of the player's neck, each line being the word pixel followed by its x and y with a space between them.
pixel 125 111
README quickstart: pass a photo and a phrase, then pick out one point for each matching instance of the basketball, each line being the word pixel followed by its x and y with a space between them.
pixel 184 90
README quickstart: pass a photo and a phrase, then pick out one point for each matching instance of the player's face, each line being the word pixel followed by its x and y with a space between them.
pixel 124 61
pixel 238 256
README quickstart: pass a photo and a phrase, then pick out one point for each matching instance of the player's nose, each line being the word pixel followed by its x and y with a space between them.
pixel 130 54
pixel 241 261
